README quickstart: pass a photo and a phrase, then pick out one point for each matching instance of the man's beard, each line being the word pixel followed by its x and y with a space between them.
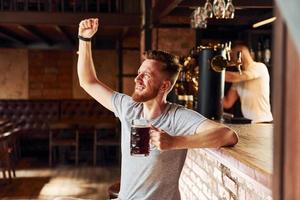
pixel 144 96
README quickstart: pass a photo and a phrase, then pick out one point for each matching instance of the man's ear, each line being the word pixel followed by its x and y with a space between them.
pixel 166 85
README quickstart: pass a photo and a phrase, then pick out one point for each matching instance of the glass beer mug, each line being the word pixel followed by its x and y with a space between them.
pixel 140 137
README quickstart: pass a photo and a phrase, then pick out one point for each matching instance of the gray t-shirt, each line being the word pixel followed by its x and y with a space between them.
pixel 155 176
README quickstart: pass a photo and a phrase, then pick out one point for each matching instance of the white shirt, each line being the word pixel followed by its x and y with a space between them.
pixel 255 93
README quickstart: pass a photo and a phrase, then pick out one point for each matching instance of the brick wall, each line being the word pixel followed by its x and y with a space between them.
pixel 131 63
pixel 131 60
pixel 205 178
pixel 174 40
pixel 13 74
pixel 50 74
pixel 178 41
pixel 105 62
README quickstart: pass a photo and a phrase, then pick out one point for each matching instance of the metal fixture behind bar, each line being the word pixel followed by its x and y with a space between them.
pixel 219 9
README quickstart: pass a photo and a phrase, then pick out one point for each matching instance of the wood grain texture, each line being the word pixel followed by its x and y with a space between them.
pixel 292 125
pixel 253 154
pixel 278 99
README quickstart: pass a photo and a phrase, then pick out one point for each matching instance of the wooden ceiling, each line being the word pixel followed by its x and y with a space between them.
pixel 53 24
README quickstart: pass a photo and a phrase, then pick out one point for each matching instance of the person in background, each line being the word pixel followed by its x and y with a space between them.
pixel 252 86
pixel 174 128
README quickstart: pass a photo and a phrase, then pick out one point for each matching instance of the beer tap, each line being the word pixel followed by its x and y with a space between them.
pixel 228 50
pixel 239 62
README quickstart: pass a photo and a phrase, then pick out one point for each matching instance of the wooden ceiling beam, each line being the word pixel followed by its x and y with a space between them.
pixel 33 31
pixel 12 36
pixel 65 34
pixel 163 8
pixel 62 19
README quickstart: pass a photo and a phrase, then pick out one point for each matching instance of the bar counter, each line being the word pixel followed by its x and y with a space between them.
pixel 240 172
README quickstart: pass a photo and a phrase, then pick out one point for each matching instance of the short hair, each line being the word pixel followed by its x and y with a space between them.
pixel 240 44
pixel 171 63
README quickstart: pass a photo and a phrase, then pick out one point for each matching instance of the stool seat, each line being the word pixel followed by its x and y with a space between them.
pixel 113 190
pixel 7 148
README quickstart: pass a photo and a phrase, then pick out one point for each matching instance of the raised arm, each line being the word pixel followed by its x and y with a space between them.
pixel 253 73
pixel 230 98
pixel 88 79
pixel 235 77
pixel 209 135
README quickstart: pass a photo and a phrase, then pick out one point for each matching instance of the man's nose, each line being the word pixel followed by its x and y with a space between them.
pixel 138 78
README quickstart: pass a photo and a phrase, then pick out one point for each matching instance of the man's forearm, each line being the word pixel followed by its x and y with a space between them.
pixel 85 66
pixel 235 77
pixel 212 138
pixel 86 70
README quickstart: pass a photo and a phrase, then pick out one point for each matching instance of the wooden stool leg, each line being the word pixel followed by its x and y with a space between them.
pixel 7 165
pixel 50 157
pixel 95 149
pixel 77 147
pixel 12 165
pixel 11 168
pixel 14 172
pixel 4 173
pixel 3 163
pixel 76 156
pixel 50 149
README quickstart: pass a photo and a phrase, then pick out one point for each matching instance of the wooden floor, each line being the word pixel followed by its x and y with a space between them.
pixel 45 183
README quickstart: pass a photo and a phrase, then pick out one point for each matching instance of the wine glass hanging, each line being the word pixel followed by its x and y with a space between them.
pixel 219 9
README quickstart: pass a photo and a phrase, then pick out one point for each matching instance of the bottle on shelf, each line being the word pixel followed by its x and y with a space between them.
pixel 267 52
pixel 189 73
pixel 181 85
pixel 185 87
pixel 259 53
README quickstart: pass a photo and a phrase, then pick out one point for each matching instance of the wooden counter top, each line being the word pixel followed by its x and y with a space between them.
pixel 253 155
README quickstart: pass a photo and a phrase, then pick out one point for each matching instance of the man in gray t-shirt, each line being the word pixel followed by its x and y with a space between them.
pixel 155 176
pixel 174 128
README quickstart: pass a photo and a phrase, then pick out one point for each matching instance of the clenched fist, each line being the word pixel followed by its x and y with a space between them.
pixel 162 140
pixel 88 27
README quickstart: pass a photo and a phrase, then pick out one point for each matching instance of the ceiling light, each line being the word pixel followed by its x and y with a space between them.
pixel 264 22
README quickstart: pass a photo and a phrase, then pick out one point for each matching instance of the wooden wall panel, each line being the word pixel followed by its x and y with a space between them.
pixel 292 123
pixel 278 84
pixel 286 179
pixel 13 74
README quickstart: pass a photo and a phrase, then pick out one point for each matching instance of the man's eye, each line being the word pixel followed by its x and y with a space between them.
pixel 147 76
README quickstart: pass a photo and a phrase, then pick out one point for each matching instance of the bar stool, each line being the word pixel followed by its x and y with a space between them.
pixel 113 190
pixel 106 134
pixel 62 134
pixel 7 150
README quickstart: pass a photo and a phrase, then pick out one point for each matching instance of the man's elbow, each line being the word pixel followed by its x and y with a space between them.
pixel 226 103
pixel 231 138
pixel 85 84
pixel 82 84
